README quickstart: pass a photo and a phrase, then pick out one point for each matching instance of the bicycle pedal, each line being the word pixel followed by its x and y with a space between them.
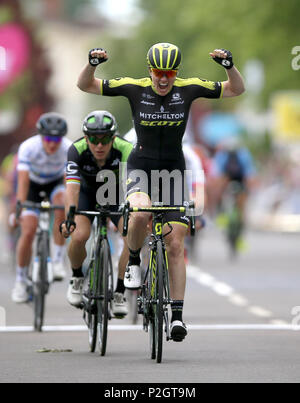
pixel 58 280
pixel 81 306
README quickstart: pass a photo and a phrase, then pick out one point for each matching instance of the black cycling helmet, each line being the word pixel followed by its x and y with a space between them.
pixel 164 56
pixel 99 122
pixel 52 124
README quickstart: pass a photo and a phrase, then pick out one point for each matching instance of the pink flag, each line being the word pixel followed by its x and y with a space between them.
pixel 14 53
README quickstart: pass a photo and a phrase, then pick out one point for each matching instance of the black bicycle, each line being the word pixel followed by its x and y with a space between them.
pixel 41 275
pixel 98 285
pixel 154 299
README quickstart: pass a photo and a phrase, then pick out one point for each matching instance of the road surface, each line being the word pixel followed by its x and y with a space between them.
pixel 243 319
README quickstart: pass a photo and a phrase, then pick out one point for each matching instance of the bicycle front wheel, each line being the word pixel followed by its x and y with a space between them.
pixel 159 306
pixel 104 294
pixel 156 314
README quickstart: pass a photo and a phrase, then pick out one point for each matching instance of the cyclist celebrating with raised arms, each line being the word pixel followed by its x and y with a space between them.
pixel 41 168
pixel 100 149
pixel 160 107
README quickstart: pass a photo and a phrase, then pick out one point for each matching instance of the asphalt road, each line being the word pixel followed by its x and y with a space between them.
pixel 241 316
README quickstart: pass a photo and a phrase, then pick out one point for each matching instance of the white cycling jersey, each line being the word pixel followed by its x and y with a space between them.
pixel 192 161
pixel 194 164
pixel 42 167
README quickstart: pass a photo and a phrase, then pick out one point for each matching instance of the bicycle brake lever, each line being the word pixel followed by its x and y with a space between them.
pixel 70 218
pixel 18 209
pixel 190 206
pixel 126 213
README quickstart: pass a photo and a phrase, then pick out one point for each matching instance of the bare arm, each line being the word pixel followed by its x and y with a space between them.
pixel 23 186
pixel 71 199
pixel 72 196
pixel 87 82
pixel 234 86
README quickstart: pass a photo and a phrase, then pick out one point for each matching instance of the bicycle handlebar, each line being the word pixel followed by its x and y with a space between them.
pixel 43 206
pixel 157 209
pixel 102 210
pixel 125 211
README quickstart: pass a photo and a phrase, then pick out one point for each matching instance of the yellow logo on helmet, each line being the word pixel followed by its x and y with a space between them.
pixel 164 56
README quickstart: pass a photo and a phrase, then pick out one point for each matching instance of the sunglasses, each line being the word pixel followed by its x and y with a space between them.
pixel 160 73
pixel 97 140
pixel 53 139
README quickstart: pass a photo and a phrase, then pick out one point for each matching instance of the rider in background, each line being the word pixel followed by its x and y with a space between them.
pixel 232 162
pixel 9 178
pixel 41 168
pixel 195 179
pixel 99 150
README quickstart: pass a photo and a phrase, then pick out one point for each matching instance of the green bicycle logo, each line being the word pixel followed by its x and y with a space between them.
pixel 2 58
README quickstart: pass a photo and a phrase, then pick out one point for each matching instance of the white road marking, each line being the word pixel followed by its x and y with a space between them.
pixel 225 290
pixel 239 300
pixel 278 322
pixel 222 289
pixel 261 312
pixel 122 328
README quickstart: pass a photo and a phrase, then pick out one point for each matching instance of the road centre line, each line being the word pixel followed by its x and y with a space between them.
pixel 225 290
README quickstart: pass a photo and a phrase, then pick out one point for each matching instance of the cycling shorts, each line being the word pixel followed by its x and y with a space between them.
pixel 34 194
pixel 51 189
pixel 163 181
pixel 87 201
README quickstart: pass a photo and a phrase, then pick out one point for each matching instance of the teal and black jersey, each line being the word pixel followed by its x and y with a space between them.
pixel 82 168
pixel 160 121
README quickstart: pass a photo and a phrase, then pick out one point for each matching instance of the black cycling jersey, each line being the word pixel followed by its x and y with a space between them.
pixel 82 167
pixel 160 121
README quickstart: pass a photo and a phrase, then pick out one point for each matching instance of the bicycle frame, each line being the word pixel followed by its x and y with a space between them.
pixel 44 228
pixel 158 236
pixel 155 293
pixel 98 280
pixel 42 274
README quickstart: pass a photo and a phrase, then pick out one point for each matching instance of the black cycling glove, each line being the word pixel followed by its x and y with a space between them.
pixel 94 61
pixel 227 62
pixel 69 224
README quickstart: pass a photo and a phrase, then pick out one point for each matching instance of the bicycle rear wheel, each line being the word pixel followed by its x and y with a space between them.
pixel 40 285
pixel 234 232
pixel 90 309
pixel 104 294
